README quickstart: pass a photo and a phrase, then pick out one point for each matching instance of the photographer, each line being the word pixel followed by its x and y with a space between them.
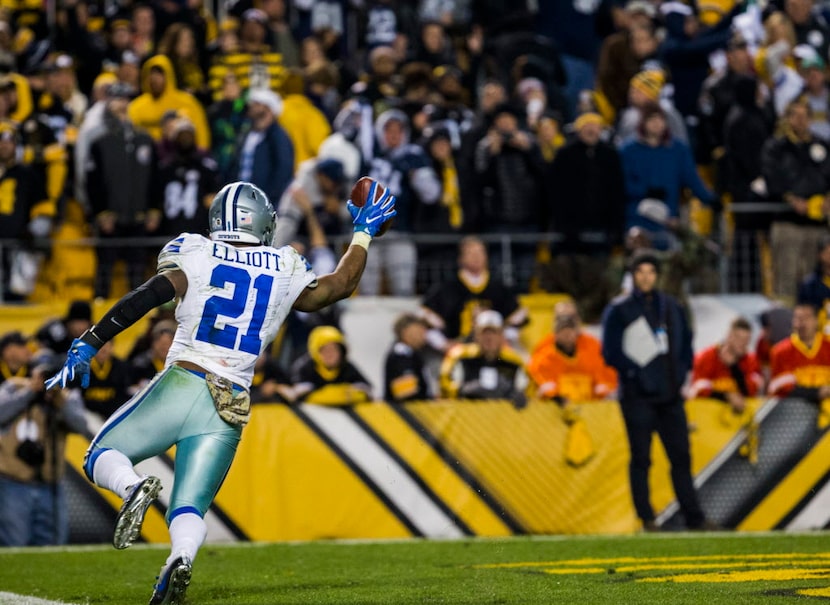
pixel 508 167
pixel 33 428
pixel 508 186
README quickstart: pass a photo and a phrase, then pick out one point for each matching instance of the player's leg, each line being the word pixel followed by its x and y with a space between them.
pixel 202 461
pixel 146 426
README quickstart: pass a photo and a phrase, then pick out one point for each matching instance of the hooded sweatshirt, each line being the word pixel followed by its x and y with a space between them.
pixel 316 383
pixel 146 111
pixel 406 170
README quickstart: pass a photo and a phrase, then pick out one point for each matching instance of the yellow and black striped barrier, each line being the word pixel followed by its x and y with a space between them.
pixel 461 468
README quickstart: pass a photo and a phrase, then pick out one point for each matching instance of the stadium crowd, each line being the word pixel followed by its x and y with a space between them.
pixel 553 122
pixel 559 125
pixel 584 131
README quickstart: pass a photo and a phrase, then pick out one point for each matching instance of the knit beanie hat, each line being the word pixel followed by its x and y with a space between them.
pixel 588 118
pixel 649 82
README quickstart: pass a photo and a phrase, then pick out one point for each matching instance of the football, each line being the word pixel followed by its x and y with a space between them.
pixel 360 195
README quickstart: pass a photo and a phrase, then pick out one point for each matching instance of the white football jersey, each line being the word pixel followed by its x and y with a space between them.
pixel 237 298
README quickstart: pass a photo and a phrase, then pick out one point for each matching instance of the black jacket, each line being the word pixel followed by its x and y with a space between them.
pixel 183 182
pixel 586 194
pixel 121 171
pixel 403 376
pixel 745 129
pixel 798 167
pixel 511 187
pixel 659 380
pixel 22 190
pixel 108 387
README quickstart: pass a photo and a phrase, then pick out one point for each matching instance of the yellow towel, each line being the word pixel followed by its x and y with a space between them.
pixel 452 196
pixel 823 420
pixel 579 446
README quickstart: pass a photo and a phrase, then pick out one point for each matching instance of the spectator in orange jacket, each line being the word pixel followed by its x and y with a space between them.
pixel 567 366
pixel 728 371
pixel 800 364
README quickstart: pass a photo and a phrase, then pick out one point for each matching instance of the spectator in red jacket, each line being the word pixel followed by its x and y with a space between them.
pixel 728 371
pixel 800 364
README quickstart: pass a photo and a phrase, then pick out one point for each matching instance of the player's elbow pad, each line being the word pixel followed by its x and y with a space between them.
pixel 154 292
pixel 135 305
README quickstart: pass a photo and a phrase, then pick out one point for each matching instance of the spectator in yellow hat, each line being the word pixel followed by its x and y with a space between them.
pixel 647 88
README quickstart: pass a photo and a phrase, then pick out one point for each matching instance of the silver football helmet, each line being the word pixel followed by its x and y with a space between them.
pixel 241 212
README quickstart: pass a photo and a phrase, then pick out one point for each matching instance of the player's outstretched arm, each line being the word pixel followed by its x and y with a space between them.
pixel 156 291
pixel 335 286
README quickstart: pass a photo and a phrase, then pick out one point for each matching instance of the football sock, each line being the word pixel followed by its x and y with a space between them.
pixel 114 471
pixel 187 533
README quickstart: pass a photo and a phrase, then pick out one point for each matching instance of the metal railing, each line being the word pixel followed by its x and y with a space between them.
pixel 742 266
pixel 501 248
pixel 739 266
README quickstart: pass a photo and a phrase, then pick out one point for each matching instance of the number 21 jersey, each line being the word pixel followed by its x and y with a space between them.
pixel 237 298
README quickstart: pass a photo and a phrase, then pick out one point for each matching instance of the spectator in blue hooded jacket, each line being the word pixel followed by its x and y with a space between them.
pixel 407 171
pixel 656 166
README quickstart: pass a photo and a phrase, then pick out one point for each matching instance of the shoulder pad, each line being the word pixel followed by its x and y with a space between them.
pixel 167 258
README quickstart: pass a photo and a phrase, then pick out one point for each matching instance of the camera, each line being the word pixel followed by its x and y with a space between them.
pixel 31 452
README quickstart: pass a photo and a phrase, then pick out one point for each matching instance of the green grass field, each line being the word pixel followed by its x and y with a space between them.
pixel 667 569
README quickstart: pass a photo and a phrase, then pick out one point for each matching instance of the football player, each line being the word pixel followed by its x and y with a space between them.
pixel 234 291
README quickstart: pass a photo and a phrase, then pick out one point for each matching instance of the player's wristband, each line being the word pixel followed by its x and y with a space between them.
pixel 362 239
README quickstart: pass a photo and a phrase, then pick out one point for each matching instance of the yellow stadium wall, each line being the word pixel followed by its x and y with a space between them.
pixel 491 468
pixel 288 484
pixel 495 470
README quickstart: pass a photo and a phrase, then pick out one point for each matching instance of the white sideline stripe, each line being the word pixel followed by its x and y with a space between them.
pixel 217 531
pixel 816 514
pixel 10 598
pixel 387 474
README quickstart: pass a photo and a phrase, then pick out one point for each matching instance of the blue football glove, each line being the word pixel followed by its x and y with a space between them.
pixel 76 365
pixel 372 215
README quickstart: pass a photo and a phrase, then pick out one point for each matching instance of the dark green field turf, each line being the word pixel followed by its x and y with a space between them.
pixel 665 569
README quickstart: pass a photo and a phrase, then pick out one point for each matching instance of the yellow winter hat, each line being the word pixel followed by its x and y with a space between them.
pixel 105 78
pixel 649 82
pixel 588 118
